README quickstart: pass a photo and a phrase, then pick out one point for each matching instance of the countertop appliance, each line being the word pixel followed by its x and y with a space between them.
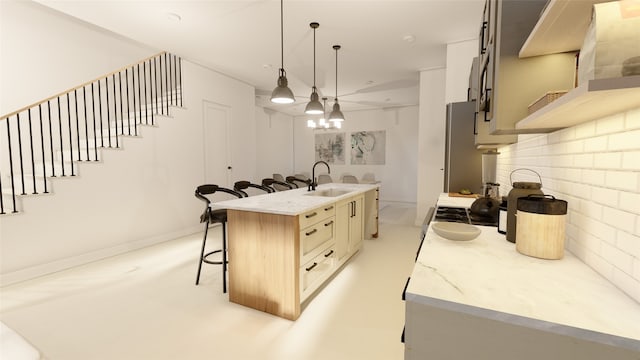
pixel 462 215
pixel 463 162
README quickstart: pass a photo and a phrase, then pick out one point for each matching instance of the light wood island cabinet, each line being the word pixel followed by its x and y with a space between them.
pixel 284 246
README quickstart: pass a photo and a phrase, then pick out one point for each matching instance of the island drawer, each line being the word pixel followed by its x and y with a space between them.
pixel 316 215
pixel 314 272
pixel 313 237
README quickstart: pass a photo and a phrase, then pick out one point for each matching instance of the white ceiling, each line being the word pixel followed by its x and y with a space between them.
pixel 378 67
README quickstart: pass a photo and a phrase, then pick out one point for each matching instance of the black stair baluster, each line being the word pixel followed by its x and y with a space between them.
pixel 95 133
pixel 155 80
pixel 175 80
pixel 100 114
pixel 162 96
pixel 86 122
pixel 126 79
pixel 133 90
pixel 13 186
pixel 150 104
pixel 180 80
pixel 1 197
pixel 139 95
pixel 121 110
pixel 33 163
pixel 106 88
pixel 70 136
pixel 170 81
pixel 53 169
pixel 20 152
pixel 115 109
pixel 75 99
pixel 60 132
pixel 44 161
pixel 144 82
pixel 166 79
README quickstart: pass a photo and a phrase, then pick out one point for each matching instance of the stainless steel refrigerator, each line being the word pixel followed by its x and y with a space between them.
pixel 463 162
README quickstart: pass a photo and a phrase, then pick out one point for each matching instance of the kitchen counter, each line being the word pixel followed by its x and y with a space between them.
pixel 295 201
pixel 486 278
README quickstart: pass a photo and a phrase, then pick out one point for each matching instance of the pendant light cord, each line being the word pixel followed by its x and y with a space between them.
pixel 314 58
pixel 281 35
pixel 336 71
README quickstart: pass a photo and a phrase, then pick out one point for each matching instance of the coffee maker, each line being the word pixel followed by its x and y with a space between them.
pixel 490 188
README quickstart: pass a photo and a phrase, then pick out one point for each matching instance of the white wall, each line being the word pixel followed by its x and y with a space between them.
pixel 34 40
pixel 459 58
pixel 397 175
pixel 595 167
pixel 274 141
pixel 431 136
pixel 136 196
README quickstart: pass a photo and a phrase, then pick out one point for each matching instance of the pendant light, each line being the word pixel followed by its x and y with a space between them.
pixel 323 124
pixel 282 94
pixel 336 115
pixel 314 107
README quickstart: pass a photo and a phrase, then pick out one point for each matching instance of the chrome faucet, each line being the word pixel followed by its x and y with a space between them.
pixel 314 182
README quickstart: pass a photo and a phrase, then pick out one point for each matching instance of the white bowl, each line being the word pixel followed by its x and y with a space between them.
pixel 455 231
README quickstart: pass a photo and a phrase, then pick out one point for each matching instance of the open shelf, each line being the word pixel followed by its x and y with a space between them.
pixel 589 101
pixel 561 28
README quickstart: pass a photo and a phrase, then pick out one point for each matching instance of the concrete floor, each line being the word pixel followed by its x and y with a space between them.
pixel 144 305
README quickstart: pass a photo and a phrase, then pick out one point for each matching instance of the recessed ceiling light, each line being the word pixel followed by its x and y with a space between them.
pixel 173 17
pixel 409 38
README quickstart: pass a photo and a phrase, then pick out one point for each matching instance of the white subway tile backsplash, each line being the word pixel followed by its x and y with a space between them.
pixel 595 167
pixel 591 209
pixel 628 243
pixel 630 202
pixel 631 160
pixel 628 140
pixel 596 144
pixel 606 196
pixel 622 180
pixel 583 160
pixel 608 160
pixel 593 177
pixel 621 259
pixel 633 119
pixel 619 219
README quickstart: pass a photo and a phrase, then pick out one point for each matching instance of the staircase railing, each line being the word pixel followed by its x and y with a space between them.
pixel 47 138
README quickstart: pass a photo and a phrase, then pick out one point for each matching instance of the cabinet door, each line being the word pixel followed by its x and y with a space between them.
pixel 356 224
pixel 342 228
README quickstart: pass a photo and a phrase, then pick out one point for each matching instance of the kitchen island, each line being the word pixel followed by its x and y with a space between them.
pixel 481 299
pixel 284 246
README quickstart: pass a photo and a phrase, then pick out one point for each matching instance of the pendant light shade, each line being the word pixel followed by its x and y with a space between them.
pixel 282 94
pixel 314 107
pixel 336 115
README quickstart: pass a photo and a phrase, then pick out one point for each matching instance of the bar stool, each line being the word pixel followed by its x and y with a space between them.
pixel 276 185
pixel 210 216
pixel 297 182
pixel 240 186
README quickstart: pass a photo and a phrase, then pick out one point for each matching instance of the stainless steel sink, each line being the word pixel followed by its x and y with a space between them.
pixel 328 192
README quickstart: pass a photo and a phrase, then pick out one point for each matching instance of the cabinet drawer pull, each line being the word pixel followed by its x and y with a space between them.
pixel 311 232
pixel 329 223
pixel 312 266
pixel 311 215
pixel 329 208
pixel 328 254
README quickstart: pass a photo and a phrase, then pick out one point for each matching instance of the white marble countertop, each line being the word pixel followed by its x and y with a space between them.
pixel 292 202
pixel 488 277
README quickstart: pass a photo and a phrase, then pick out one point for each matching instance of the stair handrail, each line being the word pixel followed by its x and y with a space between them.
pixel 4 117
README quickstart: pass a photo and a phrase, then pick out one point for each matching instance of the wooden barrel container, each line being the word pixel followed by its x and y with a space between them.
pixel 540 230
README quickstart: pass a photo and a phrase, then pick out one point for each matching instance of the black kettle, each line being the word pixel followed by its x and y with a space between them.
pixel 486 206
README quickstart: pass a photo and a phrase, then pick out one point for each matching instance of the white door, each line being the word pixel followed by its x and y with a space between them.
pixel 217 155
